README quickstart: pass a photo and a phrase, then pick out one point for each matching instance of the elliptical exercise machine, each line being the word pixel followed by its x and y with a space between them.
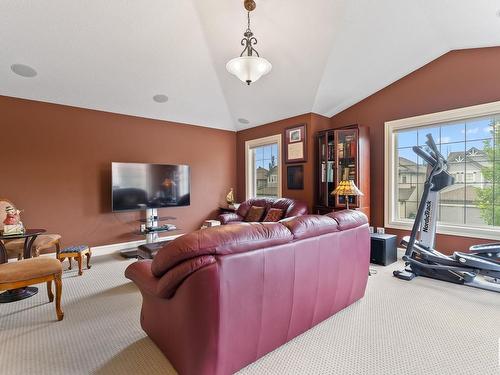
pixel 480 268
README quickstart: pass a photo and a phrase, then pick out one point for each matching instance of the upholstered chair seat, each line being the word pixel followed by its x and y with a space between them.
pixel 28 269
pixel 32 271
pixel 43 242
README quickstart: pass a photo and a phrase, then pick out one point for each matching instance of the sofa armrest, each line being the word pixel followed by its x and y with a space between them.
pixel 296 208
pixel 140 273
pixel 229 218
pixel 169 282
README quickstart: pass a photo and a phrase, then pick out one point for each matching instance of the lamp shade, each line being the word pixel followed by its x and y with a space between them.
pixel 347 187
pixel 249 68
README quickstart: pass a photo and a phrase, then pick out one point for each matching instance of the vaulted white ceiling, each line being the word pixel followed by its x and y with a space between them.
pixel 115 55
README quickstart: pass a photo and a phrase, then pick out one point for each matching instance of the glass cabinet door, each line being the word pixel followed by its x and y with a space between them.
pixel 347 162
pixel 326 157
pixel 322 168
pixel 330 168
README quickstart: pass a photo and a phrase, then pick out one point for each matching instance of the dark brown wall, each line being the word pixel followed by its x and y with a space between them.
pixel 457 79
pixel 314 123
pixel 55 164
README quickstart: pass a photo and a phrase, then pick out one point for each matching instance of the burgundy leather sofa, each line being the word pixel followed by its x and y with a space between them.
pixel 217 299
pixel 291 207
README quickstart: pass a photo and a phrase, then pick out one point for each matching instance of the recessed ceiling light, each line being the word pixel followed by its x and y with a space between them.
pixel 243 121
pixel 23 70
pixel 160 98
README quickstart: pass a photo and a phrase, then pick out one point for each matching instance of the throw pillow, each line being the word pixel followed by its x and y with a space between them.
pixel 274 214
pixel 255 214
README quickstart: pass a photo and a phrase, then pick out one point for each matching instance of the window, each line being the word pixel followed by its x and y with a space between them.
pixel 263 167
pixel 469 139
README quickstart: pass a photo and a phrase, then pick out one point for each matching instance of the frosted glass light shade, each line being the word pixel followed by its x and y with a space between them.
pixel 249 68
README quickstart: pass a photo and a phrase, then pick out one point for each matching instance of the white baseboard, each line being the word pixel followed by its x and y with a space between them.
pixel 116 247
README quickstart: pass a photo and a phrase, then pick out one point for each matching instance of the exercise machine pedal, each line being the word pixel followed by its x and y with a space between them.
pixel 404 275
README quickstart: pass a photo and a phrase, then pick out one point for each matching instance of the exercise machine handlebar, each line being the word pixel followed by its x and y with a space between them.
pixel 432 145
pixel 432 157
pixel 424 155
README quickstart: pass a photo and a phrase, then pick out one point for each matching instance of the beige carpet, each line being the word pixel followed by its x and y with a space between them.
pixel 419 327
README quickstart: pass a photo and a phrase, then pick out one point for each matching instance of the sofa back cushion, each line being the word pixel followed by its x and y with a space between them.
pixel 310 225
pixel 273 215
pixel 220 240
pixel 255 214
pixel 348 219
pixel 290 207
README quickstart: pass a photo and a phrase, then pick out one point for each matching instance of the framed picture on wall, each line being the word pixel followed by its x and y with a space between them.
pixel 295 177
pixel 296 144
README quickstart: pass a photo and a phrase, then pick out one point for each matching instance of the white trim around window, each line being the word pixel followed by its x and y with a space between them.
pixel 249 167
pixel 390 217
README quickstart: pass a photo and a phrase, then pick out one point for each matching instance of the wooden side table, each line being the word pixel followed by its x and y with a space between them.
pixel 29 236
pixel 227 210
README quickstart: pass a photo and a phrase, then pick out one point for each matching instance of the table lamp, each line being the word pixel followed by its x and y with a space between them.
pixel 347 187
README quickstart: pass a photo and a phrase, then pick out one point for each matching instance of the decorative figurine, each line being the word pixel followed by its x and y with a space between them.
pixel 12 222
pixel 230 200
pixel 230 197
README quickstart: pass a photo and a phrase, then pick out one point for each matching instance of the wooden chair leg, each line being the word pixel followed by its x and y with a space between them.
pixel 19 256
pixel 88 255
pixel 49 291
pixel 69 260
pixel 79 259
pixel 58 282
pixel 58 248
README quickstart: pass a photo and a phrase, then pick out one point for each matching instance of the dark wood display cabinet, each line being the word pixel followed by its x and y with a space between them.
pixel 342 154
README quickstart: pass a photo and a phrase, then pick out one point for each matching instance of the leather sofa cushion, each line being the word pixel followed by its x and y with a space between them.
pixel 273 215
pixel 28 269
pixel 310 225
pixel 255 214
pixel 348 219
pixel 229 217
pixel 220 240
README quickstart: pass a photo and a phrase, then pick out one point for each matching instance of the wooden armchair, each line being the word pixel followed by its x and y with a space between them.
pixel 16 276
pixel 15 247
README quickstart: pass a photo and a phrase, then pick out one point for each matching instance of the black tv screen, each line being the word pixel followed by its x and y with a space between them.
pixel 139 186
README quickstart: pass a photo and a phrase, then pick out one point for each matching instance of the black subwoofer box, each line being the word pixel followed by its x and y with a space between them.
pixel 383 249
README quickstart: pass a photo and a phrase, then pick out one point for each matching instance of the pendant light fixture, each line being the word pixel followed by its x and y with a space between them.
pixel 249 67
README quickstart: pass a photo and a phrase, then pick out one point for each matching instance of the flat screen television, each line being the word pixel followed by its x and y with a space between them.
pixel 139 186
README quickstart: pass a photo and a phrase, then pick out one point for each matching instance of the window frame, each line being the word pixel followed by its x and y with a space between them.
pixel 250 167
pixel 390 205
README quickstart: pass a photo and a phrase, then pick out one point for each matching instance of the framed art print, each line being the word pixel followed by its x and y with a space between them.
pixel 295 177
pixel 296 144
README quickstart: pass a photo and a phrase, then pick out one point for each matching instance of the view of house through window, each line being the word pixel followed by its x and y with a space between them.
pixel 472 150
pixel 265 164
